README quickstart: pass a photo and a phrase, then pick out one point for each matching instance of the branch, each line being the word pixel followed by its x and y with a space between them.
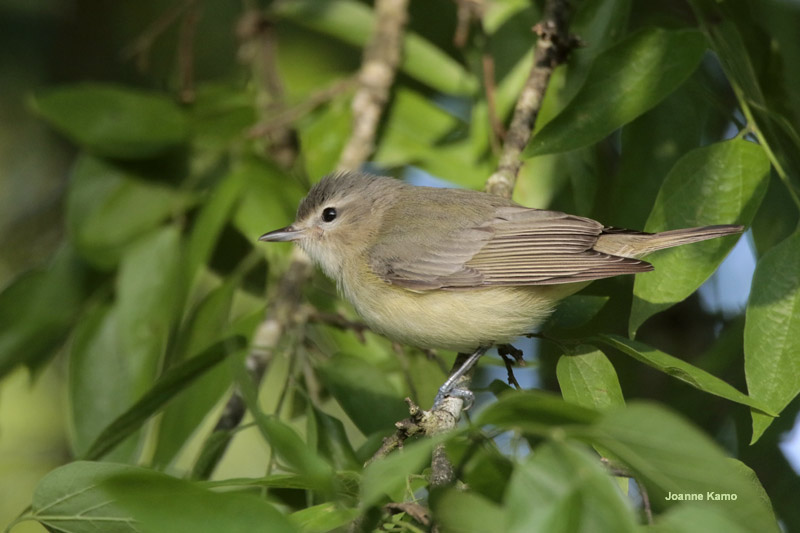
pixel 552 48
pixel 381 59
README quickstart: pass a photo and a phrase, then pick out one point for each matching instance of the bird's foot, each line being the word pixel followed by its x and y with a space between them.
pixel 448 391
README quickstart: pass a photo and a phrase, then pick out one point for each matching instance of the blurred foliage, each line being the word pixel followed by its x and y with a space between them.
pixel 146 145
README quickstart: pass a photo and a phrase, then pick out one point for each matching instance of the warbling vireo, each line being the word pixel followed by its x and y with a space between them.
pixel 459 269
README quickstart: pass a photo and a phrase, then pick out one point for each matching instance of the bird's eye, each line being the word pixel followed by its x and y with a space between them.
pixel 328 214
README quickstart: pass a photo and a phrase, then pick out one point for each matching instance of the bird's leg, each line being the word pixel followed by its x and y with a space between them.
pixel 449 388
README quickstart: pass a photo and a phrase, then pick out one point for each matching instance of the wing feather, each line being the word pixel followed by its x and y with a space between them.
pixel 514 246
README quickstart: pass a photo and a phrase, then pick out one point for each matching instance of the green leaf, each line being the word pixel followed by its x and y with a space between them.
pixel 353 23
pixel 332 441
pixel 168 386
pixel 289 447
pixel 116 351
pixel 587 378
pixel 572 491
pixel 718 184
pixel 270 199
pixel 364 392
pixel 32 328
pixel 680 369
pixel 467 512
pixel 575 311
pixel 109 207
pixel 535 412
pixel 70 499
pixel 322 518
pixel 114 121
pixel 210 221
pixel 389 474
pixel 772 331
pixel 161 503
pixel 624 81
pixel 181 418
pixel 669 455
pixel 692 517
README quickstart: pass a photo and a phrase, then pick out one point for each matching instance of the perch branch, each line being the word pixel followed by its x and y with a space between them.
pixel 552 48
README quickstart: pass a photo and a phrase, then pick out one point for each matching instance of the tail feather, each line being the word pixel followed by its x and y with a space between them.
pixel 628 243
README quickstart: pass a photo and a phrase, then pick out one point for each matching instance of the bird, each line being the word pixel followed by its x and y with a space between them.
pixel 458 269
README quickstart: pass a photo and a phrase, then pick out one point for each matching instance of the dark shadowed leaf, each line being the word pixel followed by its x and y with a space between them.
pixel 680 369
pixel 364 392
pixel 718 184
pixel 586 377
pixel 32 328
pixel 572 491
pixel 114 121
pixel 772 331
pixel 332 441
pixel 624 81
pixel 575 311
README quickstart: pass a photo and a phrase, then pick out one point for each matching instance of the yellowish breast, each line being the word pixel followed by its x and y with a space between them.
pixel 460 320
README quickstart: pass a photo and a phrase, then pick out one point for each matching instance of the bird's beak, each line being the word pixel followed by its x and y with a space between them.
pixel 289 233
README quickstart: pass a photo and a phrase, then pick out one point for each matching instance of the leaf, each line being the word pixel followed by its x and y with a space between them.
pixel 772 331
pixel 669 455
pixel 587 378
pixel 32 328
pixel 575 311
pixel 467 512
pixel 332 441
pixel 161 503
pixel 389 474
pixel 353 23
pixel 206 325
pixel 534 411
pixel 113 121
pixel 624 81
pixel 572 491
pixel 269 200
pixel 116 351
pixel 691 517
pixel 718 184
pixel 109 207
pixel 364 393
pixel 322 518
pixel 289 447
pixel 168 386
pixel 70 499
pixel 679 369
pixel 210 221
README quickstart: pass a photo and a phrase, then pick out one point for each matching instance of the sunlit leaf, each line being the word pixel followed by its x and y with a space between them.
pixel 680 369
pixel 772 331
pixel 353 23
pixel 624 81
pixel 572 491
pixel 718 184
pixel 586 377
pixel 467 512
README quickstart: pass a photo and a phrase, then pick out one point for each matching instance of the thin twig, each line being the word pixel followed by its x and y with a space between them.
pixel 381 59
pixel 141 46
pixel 292 114
pixel 186 42
pixel 498 131
pixel 552 48
pixel 416 511
pixel 506 350
pixel 619 471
